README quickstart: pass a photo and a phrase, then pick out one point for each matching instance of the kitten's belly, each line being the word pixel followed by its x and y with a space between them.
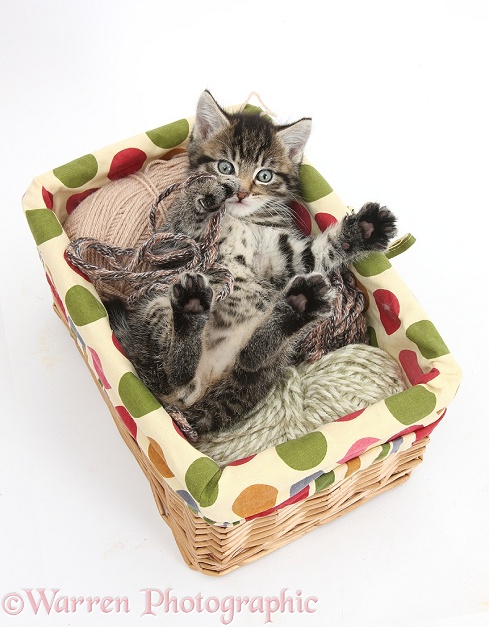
pixel 219 353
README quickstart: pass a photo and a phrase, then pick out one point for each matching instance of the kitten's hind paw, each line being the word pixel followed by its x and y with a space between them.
pixel 377 226
pixel 309 295
pixel 191 294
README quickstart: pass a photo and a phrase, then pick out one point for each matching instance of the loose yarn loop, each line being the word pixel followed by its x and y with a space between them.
pixel 308 397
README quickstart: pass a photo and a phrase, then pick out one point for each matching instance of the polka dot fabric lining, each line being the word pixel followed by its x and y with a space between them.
pixel 288 472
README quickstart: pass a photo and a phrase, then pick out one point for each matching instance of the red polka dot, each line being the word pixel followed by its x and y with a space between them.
pixel 302 217
pixel 97 364
pixel 389 310
pixel 117 344
pixel 128 420
pixel 351 416
pixel 239 462
pixel 325 220
pixel 409 362
pixel 126 162
pixel 73 201
pixel 48 198
pixel 358 448
pixel 178 430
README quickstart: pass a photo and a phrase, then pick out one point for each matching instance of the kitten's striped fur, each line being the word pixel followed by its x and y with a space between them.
pixel 216 360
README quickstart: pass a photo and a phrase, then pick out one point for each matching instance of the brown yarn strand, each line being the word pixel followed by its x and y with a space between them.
pixel 346 326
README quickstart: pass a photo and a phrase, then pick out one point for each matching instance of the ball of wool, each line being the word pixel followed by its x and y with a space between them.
pixel 117 213
pixel 309 396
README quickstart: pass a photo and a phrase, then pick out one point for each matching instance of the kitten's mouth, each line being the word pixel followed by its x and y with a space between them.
pixel 239 200
pixel 240 207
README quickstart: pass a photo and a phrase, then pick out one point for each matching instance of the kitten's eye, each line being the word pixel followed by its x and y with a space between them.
pixel 225 167
pixel 264 176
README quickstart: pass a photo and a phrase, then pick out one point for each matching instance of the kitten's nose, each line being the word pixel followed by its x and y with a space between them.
pixel 242 195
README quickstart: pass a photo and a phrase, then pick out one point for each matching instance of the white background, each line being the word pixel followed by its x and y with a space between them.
pixel 398 96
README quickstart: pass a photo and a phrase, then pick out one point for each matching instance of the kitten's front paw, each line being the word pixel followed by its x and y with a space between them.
pixel 212 192
pixel 371 228
pixel 378 225
pixel 191 294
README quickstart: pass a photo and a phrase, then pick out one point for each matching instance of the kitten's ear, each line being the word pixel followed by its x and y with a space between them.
pixel 294 137
pixel 209 117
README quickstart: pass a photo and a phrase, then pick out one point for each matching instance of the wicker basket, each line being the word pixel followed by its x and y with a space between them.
pixel 366 454
pixel 215 550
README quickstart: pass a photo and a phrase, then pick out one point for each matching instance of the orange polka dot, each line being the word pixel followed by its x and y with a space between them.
pixel 255 499
pixel 158 460
pixel 353 466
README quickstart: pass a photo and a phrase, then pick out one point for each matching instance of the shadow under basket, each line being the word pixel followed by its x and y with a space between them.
pixel 215 550
pixel 223 518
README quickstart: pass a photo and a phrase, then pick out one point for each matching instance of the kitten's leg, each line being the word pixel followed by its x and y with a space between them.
pixel 143 333
pixel 370 229
pixel 262 361
pixel 162 336
pixel 305 299
pixel 190 298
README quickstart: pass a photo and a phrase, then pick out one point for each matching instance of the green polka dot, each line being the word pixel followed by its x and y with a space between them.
pixel 77 172
pixel 373 264
pixel 324 481
pixel 82 306
pixel 411 405
pixel 136 397
pixel 372 336
pixel 384 452
pixel 313 185
pixel 249 108
pixel 305 452
pixel 170 135
pixel 202 479
pixel 427 339
pixel 44 224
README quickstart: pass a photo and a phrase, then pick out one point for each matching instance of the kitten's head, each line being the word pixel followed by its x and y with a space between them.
pixel 263 156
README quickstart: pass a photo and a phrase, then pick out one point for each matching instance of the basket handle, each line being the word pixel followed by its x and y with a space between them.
pixel 400 245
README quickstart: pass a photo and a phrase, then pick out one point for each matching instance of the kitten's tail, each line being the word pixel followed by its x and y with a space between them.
pixel 118 319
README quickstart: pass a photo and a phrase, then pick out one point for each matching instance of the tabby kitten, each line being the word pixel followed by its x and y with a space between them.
pixel 212 359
